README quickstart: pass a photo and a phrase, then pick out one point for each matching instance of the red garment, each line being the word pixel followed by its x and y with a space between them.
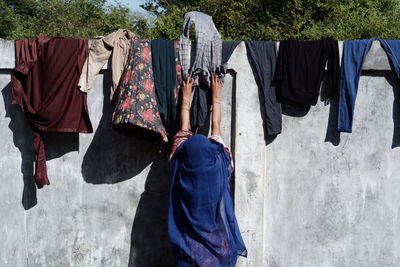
pixel 44 84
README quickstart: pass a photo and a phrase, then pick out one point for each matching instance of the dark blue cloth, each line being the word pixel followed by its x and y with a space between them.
pixel 201 223
pixel 262 59
pixel 354 54
pixel 164 72
pixel 227 49
pixel 201 104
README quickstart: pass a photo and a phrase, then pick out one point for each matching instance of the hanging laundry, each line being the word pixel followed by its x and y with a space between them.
pixel 207 59
pixel 208 45
pixel 173 128
pixel 178 67
pixel 300 69
pixel 227 49
pixel 262 58
pixel 164 67
pixel 46 90
pixel 136 113
pixel 202 226
pixel 354 54
pixel 116 44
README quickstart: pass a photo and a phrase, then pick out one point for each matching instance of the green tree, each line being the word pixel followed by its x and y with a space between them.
pixel 278 20
pixel 68 18
pixel 235 19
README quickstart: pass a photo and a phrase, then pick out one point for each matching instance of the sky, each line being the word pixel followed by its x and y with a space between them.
pixel 132 4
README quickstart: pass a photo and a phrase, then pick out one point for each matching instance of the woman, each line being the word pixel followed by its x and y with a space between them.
pixel 201 223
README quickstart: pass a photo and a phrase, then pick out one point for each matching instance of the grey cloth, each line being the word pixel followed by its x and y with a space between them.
pixel 262 58
pixel 208 48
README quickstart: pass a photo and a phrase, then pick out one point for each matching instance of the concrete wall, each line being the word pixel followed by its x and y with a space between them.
pixel 311 197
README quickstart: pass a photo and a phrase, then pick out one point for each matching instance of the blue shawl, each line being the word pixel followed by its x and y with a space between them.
pixel 201 222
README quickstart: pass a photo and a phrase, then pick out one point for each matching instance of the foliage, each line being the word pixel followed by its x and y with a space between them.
pixel 235 19
pixel 68 18
pixel 279 20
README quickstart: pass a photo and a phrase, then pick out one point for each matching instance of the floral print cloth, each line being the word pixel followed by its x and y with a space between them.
pixel 136 112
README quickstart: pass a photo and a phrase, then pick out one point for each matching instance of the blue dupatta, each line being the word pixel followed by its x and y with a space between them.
pixel 201 222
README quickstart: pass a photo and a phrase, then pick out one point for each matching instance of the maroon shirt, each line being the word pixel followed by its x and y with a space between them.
pixel 44 84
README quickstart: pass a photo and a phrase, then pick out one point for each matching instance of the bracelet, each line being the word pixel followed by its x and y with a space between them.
pixel 216 102
pixel 185 101
pixel 185 108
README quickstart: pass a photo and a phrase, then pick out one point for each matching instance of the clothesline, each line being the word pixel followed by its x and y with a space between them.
pixel 376 58
pixel 146 93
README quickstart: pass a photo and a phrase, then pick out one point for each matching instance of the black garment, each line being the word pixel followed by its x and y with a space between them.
pixel 262 57
pixel 227 49
pixel 164 71
pixel 300 69
pixel 201 103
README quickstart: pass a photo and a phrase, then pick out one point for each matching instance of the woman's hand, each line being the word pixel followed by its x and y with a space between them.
pixel 216 87
pixel 187 88
pixel 186 93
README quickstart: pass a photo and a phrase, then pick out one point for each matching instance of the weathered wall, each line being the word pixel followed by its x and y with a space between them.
pixel 311 197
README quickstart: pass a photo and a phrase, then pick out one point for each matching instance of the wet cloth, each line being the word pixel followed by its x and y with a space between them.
pixel 200 105
pixel 300 70
pixel 136 113
pixel 164 67
pixel 46 90
pixel 208 53
pixel 172 129
pixel 206 59
pixel 262 58
pixel 354 53
pixel 202 226
pixel 116 44
pixel 227 49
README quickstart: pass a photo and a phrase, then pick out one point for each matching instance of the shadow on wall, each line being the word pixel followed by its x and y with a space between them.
pixel 149 238
pixel 333 136
pixel 23 140
pixel 56 145
pixel 393 80
pixel 295 110
pixel 112 157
